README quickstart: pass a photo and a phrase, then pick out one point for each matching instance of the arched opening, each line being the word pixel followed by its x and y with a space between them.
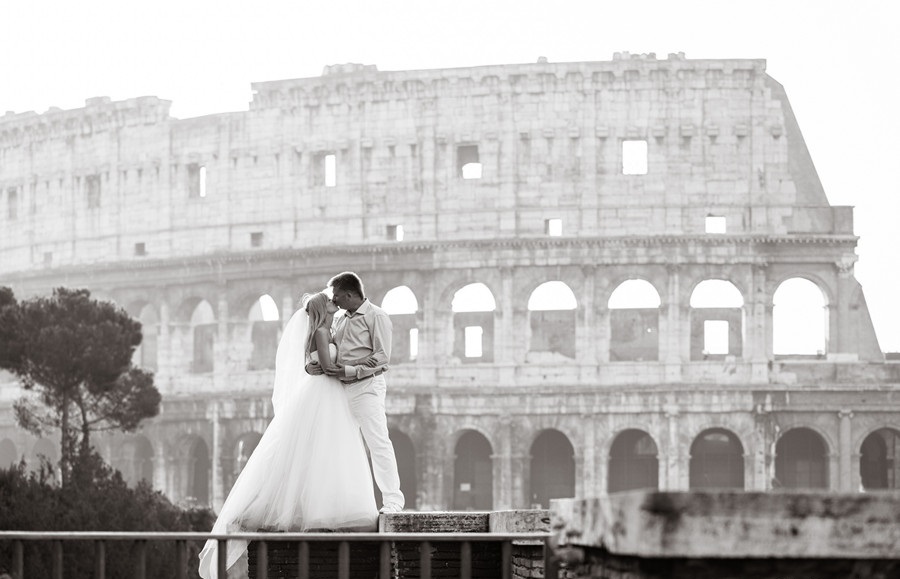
pixel 265 325
pixel 799 319
pixel 634 322
pixel 135 460
pixel 552 468
pixel 801 460
pixel 551 313
pixel 8 455
pixel 203 332
pixel 633 463
pixel 717 460
pixel 473 473
pixel 243 449
pixel 879 460
pixel 473 323
pixel 717 320
pixel 406 468
pixel 146 354
pixel 198 473
pixel 401 304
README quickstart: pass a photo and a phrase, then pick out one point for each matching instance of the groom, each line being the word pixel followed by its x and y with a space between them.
pixel 363 338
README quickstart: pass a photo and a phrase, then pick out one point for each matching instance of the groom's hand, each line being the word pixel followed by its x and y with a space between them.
pixel 335 370
pixel 314 369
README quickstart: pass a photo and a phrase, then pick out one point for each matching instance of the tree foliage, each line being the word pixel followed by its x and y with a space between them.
pixel 73 354
pixel 99 501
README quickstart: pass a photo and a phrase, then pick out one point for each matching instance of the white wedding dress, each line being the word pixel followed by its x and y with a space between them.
pixel 309 470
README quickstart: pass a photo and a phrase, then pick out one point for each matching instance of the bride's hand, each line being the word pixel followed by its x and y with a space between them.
pixel 314 369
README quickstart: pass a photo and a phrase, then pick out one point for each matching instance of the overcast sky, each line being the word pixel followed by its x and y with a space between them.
pixel 837 61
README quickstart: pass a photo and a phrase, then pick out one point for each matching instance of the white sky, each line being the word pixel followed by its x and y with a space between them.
pixel 837 61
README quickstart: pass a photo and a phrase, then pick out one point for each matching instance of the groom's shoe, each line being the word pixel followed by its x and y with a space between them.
pixel 391 508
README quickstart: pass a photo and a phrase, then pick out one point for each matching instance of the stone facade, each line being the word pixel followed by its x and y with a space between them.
pixel 587 175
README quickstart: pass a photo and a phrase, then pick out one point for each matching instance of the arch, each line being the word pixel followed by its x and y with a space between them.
pixel 799 318
pixel 473 473
pixel 401 304
pixel 717 460
pixel 552 468
pixel 405 451
pixel 265 327
pixel 146 355
pixel 633 462
pixel 8 456
pixel 879 460
pixel 634 322
pixel 551 319
pixel 473 323
pixel 717 320
pixel 552 296
pixel 243 449
pixel 801 460
pixel 135 460
pixel 199 469
pixel 203 334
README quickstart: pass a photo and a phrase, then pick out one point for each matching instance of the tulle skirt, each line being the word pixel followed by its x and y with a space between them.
pixel 308 472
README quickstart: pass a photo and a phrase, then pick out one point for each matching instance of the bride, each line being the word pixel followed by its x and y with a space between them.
pixel 309 470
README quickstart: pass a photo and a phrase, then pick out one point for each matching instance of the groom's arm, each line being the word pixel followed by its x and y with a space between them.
pixel 381 331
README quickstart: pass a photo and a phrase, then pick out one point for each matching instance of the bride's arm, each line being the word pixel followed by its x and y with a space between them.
pixel 323 338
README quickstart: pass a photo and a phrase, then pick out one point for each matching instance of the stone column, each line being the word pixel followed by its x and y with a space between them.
pixel 508 343
pixel 673 456
pixel 217 475
pixel 587 332
pixel 846 452
pixel 675 345
pixel 504 477
pixel 589 486
pixel 757 348
pixel 164 347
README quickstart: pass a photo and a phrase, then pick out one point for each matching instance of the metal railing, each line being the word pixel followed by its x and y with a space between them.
pixel 260 541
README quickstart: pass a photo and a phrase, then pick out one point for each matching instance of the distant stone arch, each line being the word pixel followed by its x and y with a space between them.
pixel 800 319
pixel 135 460
pixel 551 314
pixel 199 472
pixel 634 322
pixel 552 468
pixel 473 473
pixel 405 451
pixel 633 462
pixel 473 323
pixel 717 320
pixel 203 336
pixel 879 460
pixel 717 460
pixel 801 460
pixel 265 324
pixel 401 304
pixel 146 355
pixel 243 449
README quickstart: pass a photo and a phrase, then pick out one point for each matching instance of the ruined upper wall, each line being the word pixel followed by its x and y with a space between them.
pixel 120 180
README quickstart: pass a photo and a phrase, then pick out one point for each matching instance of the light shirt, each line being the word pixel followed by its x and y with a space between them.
pixel 363 335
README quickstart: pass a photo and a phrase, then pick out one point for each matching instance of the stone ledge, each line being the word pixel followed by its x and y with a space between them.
pixel 733 524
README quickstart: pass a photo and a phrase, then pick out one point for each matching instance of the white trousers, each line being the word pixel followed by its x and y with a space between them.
pixel 367 405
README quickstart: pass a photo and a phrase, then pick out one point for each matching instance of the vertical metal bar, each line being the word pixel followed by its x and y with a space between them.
pixel 344 560
pixel 465 560
pixel 100 560
pixel 221 557
pixel 384 569
pixel 551 563
pixel 425 560
pixel 506 559
pixel 57 560
pixel 303 560
pixel 18 560
pixel 180 560
pixel 142 560
pixel 262 560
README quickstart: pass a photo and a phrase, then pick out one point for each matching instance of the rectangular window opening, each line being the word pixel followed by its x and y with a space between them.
pixel 468 165
pixel 202 183
pixel 413 343
pixel 92 184
pixel 715 224
pixel 256 239
pixel 715 337
pixel 330 170
pixel 634 157
pixel 140 249
pixel 553 227
pixel 473 337
pixel 395 232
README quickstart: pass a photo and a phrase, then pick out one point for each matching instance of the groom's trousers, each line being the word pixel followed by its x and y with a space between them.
pixel 367 405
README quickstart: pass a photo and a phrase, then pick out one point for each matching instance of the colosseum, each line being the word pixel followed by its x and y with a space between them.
pixel 601 275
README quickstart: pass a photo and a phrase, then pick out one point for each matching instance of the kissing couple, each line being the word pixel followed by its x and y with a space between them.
pixel 309 471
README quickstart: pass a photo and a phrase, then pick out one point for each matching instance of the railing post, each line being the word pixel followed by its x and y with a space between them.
pixel 222 557
pixel 141 560
pixel 57 560
pixel 344 560
pixel 303 560
pixel 180 560
pixel 506 560
pixel 384 569
pixel 465 560
pixel 425 560
pixel 100 560
pixel 551 563
pixel 18 560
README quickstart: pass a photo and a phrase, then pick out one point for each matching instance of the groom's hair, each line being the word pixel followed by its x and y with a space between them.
pixel 348 282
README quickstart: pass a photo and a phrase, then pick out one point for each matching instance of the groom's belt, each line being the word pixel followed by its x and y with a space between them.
pixel 355 380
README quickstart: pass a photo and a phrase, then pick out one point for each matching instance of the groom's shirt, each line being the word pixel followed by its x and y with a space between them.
pixel 360 336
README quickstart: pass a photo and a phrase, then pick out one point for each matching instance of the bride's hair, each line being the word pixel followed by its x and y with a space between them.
pixel 316 306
